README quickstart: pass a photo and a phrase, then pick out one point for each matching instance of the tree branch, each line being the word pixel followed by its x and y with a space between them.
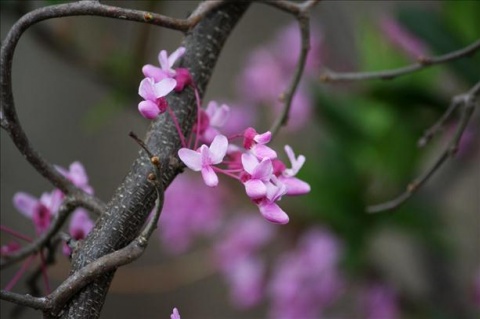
pixel 331 76
pixel 467 103
pixel 301 12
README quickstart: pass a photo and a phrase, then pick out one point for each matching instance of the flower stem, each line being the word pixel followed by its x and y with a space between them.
pixel 177 126
pixel 19 273
pixel 15 233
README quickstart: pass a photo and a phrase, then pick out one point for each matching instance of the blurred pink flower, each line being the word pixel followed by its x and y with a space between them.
pixel 40 211
pixel 242 237
pixel 175 314
pixel 190 210
pixel 307 280
pixel 402 38
pixel 235 256
pixel 379 301
pixel 77 175
pixel 9 248
pixel 154 94
pixel 80 226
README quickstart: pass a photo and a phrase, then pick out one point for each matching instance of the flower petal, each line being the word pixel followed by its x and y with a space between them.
pixel 78 175
pixel 295 186
pixel 273 213
pixel 263 151
pixel 146 89
pixel 163 60
pixel 263 170
pixel 263 138
pixel 151 71
pixel 209 176
pixel 25 203
pixel 148 109
pixel 249 163
pixel 255 189
pixel 175 56
pixel 218 149
pixel 191 158
pixel 164 87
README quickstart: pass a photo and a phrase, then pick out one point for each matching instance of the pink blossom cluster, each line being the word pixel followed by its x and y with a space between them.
pixel 42 210
pixel 265 178
pixel 160 81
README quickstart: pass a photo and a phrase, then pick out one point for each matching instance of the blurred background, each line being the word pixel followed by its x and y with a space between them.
pixel 75 83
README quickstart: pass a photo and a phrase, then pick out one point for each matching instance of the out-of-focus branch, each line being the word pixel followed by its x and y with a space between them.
pixel 423 63
pixel 466 103
pixel 54 302
pixel 301 12
pixel 68 206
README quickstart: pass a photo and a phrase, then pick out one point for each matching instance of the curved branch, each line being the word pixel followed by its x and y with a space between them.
pixel 467 102
pixel 92 8
pixel 331 76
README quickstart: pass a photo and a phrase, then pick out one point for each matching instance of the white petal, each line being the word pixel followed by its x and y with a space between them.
pixel 218 149
pixel 146 89
pixel 249 163
pixel 191 158
pixel 175 56
pixel 164 87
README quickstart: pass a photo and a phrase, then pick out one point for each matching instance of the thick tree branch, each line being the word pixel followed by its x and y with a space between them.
pixel 466 103
pixel 132 202
pixel 425 62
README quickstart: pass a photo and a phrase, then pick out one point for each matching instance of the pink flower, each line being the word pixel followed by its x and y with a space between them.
pixel 77 175
pixel 175 314
pixel 246 282
pixel 190 210
pixel 256 143
pixel 80 226
pixel 203 159
pixel 268 208
pixel 294 185
pixel 166 70
pixel 154 93
pixel 402 38
pixel 40 211
pixel 259 173
pixel 213 118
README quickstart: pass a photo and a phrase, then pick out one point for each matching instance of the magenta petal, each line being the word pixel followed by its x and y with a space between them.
pixel 273 213
pixel 263 138
pixel 218 149
pixel 191 158
pixel 175 314
pixel 295 186
pixel 263 151
pixel 209 176
pixel 25 203
pixel 255 189
pixel 148 109
pixel 80 223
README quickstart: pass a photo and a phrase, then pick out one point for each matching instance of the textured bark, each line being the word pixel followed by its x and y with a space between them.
pixel 134 199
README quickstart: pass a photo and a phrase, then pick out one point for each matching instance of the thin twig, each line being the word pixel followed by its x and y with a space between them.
pixel 467 102
pixel 423 63
pixel 67 207
pixel 24 300
pixel 301 12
